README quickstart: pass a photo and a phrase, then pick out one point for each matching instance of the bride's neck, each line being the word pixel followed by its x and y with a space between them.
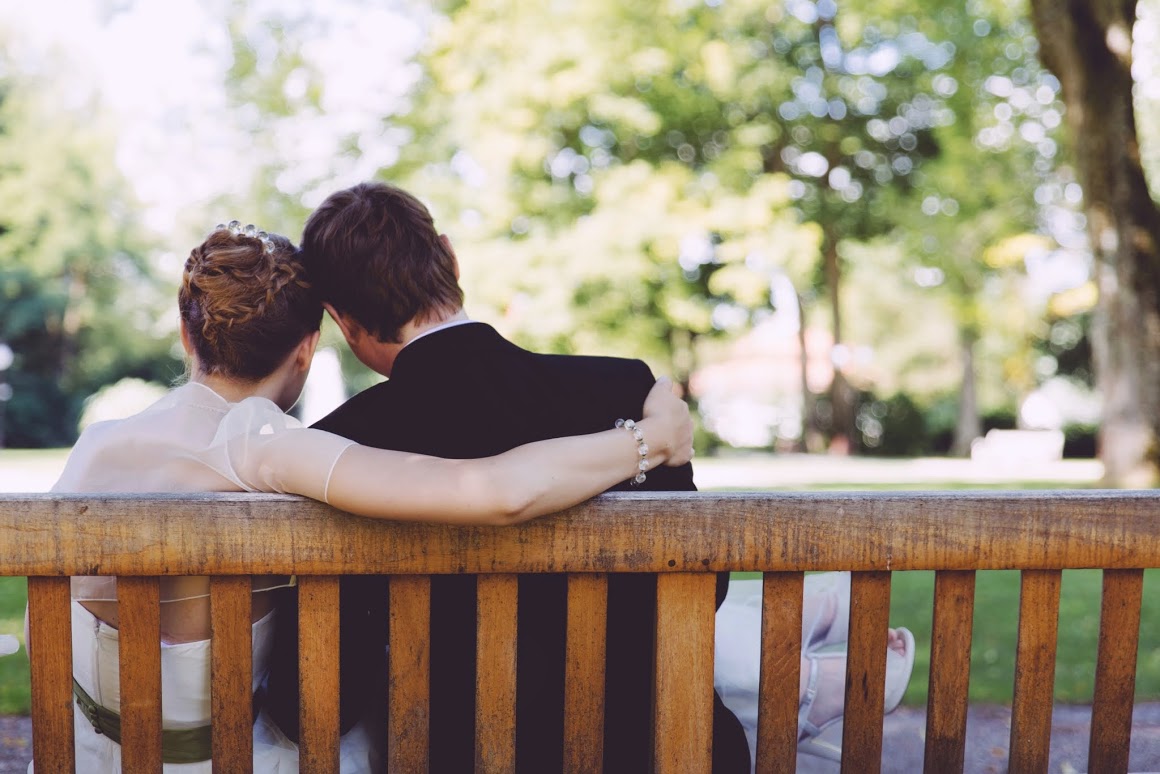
pixel 235 390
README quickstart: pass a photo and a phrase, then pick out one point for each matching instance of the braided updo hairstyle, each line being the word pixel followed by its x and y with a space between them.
pixel 245 306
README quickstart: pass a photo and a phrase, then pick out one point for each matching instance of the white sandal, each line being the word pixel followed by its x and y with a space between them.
pixel 809 734
pixel 899 667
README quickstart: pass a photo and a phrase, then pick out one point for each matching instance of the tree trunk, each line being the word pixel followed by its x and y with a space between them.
pixel 1087 44
pixel 968 426
pixel 811 437
pixel 841 394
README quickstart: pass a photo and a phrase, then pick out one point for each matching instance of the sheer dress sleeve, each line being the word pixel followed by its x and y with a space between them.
pixel 263 449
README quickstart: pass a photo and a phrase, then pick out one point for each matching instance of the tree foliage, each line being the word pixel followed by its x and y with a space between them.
pixel 598 171
pixel 78 303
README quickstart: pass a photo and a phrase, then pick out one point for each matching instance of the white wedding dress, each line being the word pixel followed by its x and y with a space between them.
pixel 737 645
pixel 192 440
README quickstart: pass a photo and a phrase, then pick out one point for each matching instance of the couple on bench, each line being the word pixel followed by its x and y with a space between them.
pixel 469 429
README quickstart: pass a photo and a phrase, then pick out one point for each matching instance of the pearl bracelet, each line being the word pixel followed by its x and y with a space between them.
pixel 641 448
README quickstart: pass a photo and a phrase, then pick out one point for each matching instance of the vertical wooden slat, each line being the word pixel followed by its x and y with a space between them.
pixel 781 644
pixel 409 719
pixel 1111 731
pixel 950 671
pixel 139 639
pixel 50 653
pixel 1034 670
pixel 231 673
pixel 318 650
pixel 683 736
pixel 584 672
pixel 866 672
pixel 495 679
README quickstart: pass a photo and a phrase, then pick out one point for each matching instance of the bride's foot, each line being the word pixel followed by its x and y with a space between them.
pixel 899 665
pixel 822 702
pixel 823 693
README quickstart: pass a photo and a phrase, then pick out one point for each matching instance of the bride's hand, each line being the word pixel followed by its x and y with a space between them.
pixel 668 423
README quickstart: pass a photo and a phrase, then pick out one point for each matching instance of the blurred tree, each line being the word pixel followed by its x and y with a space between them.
pixel 78 302
pixel 1088 45
pixel 595 171
pixel 978 207
pixel 630 178
pixel 840 107
pixel 869 115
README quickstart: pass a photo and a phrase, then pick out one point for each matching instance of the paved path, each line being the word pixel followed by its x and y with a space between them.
pixel 988 732
pixel 988 736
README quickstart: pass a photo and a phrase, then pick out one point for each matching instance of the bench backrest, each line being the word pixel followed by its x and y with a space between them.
pixel 683 538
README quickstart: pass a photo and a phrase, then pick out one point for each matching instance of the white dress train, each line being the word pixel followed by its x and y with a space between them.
pixel 737 645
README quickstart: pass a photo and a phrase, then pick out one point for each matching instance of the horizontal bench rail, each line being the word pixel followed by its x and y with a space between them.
pixel 682 537
pixel 232 534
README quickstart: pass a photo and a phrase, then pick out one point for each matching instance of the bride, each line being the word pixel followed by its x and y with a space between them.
pixel 250 324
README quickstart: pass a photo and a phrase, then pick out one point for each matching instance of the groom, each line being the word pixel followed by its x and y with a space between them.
pixel 459 389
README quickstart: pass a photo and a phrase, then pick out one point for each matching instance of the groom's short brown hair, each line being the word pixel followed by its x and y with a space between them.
pixel 373 252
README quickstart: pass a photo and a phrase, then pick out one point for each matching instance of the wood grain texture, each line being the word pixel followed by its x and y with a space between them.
pixel 865 672
pixel 495 680
pixel 584 673
pixel 228 534
pixel 1034 670
pixel 50 654
pixel 318 650
pixel 1115 689
pixel 781 644
pixel 139 639
pixel 409 674
pixel 683 724
pixel 950 671
pixel 231 674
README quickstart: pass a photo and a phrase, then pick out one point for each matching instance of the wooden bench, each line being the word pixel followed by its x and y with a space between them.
pixel 682 537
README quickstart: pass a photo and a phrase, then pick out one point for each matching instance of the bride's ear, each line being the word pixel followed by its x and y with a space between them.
pixel 304 354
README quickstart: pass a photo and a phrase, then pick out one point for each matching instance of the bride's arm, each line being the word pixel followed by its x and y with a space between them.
pixel 520 484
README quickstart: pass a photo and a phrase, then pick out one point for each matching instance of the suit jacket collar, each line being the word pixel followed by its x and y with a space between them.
pixel 440 349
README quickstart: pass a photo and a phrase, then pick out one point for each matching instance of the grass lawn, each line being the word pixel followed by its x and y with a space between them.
pixel 14 686
pixel 996 621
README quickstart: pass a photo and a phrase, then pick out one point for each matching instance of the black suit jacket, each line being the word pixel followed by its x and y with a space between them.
pixel 466 392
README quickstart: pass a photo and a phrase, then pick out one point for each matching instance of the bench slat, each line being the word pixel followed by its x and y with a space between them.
pixel 584 673
pixel 1034 670
pixel 781 644
pixel 318 650
pixel 495 681
pixel 139 603
pixel 50 653
pixel 1111 731
pixel 950 671
pixel 231 671
pixel 409 674
pixel 866 672
pixel 683 736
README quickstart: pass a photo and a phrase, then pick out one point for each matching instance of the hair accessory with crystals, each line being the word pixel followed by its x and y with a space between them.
pixel 236 228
